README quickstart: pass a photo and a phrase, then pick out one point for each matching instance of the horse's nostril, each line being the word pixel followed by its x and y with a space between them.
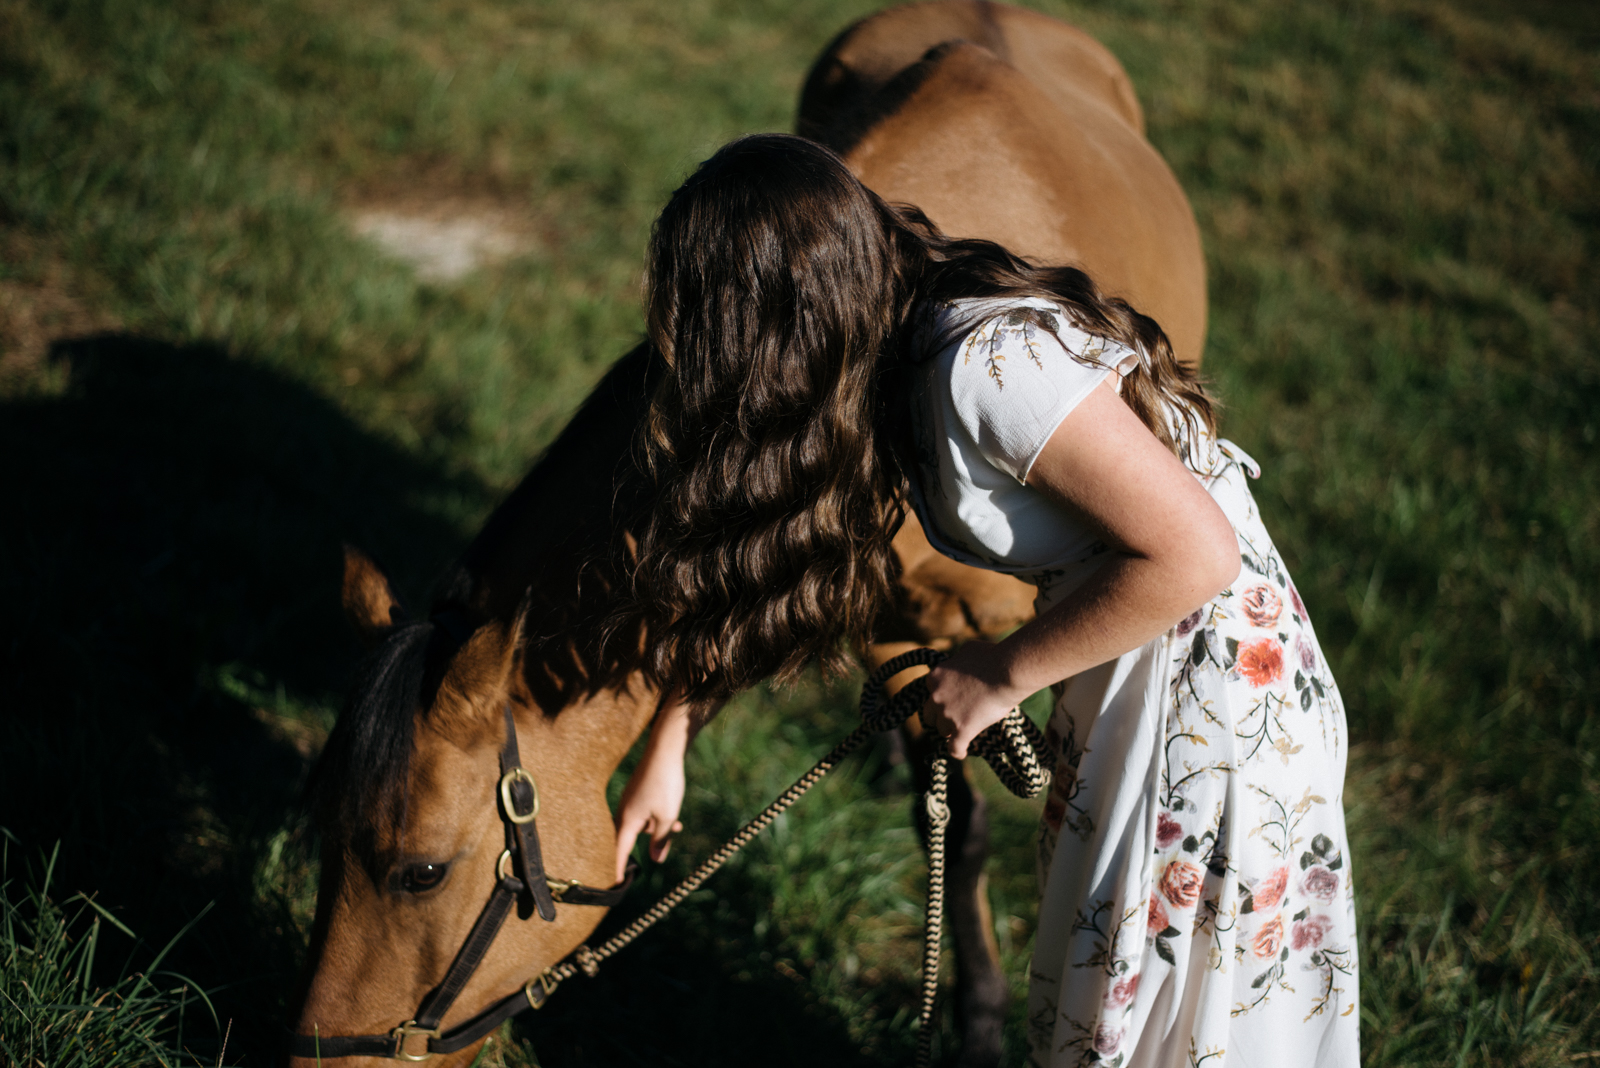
pixel 422 877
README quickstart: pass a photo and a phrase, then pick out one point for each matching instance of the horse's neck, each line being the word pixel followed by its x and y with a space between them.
pixel 566 511
pixel 548 545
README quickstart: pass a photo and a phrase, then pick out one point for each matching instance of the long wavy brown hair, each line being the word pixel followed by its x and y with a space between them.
pixel 782 295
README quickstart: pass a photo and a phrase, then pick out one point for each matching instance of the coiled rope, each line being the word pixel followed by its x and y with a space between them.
pixel 1011 747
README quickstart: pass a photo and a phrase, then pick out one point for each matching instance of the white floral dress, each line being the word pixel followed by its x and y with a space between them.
pixel 1196 905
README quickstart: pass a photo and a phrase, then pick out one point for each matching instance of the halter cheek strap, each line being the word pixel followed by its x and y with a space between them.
pixel 519 807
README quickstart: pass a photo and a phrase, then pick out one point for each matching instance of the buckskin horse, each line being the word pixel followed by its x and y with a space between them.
pixel 465 781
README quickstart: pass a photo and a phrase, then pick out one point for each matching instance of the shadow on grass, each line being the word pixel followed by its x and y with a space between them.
pixel 681 997
pixel 171 532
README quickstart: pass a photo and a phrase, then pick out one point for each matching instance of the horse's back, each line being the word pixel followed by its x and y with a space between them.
pixel 1008 125
pixel 1063 61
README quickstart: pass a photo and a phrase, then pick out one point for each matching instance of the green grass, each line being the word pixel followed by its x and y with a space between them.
pixel 1398 203
pixel 51 1010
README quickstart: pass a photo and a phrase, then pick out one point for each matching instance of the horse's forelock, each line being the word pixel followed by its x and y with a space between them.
pixel 358 790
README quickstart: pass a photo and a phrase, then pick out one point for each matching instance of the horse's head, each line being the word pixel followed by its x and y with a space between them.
pixel 414 805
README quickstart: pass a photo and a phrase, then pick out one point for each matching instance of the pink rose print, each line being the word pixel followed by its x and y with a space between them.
pixel 1320 884
pixel 1168 831
pixel 1262 606
pixel 1188 623
pixel 1269 891
pixel 1269 939
pixel 1261 661
pixel 1308 654
pixel 1299 605
pixel 1107 1040
pixel 1158 916
pixel 1122 991
pixel 1309 932
pixel 1181 883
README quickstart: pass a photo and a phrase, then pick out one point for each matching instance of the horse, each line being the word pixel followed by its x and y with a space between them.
pixel 995 121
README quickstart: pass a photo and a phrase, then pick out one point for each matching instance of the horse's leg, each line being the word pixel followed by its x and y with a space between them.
pixel 982 993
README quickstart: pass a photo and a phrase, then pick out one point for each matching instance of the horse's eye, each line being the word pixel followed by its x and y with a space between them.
pixel 418 878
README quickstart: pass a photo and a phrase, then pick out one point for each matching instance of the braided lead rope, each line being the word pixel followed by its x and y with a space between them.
pixel 937 802
pixel 1011 747
pixel 709 866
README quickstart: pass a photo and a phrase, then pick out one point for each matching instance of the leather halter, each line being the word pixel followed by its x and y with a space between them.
pixel 519 871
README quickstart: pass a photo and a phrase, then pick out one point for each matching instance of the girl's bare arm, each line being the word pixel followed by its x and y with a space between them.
pixel 1172 551
pixel 654 794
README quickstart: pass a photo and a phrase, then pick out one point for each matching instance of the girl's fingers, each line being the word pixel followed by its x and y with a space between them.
pixel 628 832
pixel 624 847
pixel 962 737
pixel 662 842
pixel 958 746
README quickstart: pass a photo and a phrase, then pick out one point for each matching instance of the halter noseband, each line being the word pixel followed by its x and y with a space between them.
pixel 520 870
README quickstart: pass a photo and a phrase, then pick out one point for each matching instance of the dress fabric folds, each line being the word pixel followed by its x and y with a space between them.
pixel 1196 902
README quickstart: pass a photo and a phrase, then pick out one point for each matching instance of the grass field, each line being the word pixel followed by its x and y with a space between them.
pixel 208 379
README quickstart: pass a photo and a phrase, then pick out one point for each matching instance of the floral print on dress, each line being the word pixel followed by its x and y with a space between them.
pixel 1245 899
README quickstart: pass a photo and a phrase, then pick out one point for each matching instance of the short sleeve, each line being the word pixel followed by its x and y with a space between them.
pixel 1013 381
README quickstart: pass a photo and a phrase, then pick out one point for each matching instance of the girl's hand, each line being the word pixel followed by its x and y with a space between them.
pixel 654 794
pixel 967 694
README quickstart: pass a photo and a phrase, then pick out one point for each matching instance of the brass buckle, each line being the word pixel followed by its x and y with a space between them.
pixel 559 887
pixel 544 979
pixel 505 795
pixel 405 1031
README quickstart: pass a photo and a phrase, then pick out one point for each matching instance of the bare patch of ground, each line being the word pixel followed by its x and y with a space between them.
pixel 38 306
pixel 447 239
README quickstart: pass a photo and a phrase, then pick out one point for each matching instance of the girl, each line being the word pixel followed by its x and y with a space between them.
pixel 830 358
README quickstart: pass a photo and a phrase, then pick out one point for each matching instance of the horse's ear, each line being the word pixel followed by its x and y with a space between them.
pixel 370 602
pixel 477 683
